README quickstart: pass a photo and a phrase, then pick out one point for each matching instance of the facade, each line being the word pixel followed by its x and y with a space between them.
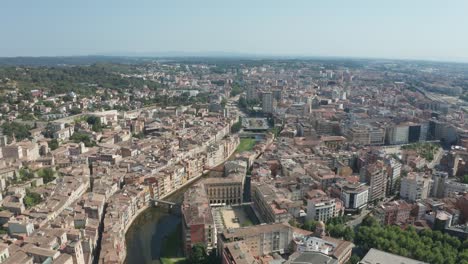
pixel 320 207
pixel 267 102
pixel 367 135
pixel 439 179
pixel 375 256
pixel 454 187
pixel 415 186
pixel 354 196
pixel 393 174
pixel 395 212
pixel 260 239
pixel 198 226
pixel 376 177
pixel 263 197
pixel 225 190
pixel 397 134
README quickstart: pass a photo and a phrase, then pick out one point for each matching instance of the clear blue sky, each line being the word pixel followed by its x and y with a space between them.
pixel 422 29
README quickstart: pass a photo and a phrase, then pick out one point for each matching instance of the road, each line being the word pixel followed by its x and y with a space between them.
pixel 358 220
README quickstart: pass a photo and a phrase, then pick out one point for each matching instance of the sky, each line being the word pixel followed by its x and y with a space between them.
pixel 395 29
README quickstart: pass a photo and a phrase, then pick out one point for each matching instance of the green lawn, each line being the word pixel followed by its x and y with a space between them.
pixel 173 260
pixel 246 144
pixel 171 252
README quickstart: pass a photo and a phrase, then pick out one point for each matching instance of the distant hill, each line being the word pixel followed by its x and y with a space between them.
pixel 63 61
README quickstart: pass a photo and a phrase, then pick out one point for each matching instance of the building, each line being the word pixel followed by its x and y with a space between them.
pixel 454 187
pixel 4 252
pixel 198 226
pixel 320 207
pixel 375 256
pixel 395 212
pixel 439 179
pixel 267 102
pixel 310 258
pixel 415 186
pixel 397 134
pixel 393 175
pixel 225 190
pixel 251 93
pixel 354 195
pixel 260 239
pixel 263 197
pixel 375 175
pixel 367 135
pixel 237 253
pixel 359 135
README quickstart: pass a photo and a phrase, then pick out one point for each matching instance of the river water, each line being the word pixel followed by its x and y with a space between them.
pixel 146 236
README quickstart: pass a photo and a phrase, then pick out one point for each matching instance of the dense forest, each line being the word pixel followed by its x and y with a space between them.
pixel 80 79
pixel 430 246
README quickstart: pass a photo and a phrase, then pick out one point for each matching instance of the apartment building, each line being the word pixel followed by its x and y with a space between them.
pixel 263 197
pixel 375 176
pixel 261 239
pixel 320 207
pixel 395 212
pixel 415 186
pixel 198 226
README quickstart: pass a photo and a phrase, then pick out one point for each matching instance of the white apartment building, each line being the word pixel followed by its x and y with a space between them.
pixel 320 207
pixel 393 174
pixel 415 186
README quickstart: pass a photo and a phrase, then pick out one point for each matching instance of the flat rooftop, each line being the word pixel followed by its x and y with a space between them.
pixel 375 256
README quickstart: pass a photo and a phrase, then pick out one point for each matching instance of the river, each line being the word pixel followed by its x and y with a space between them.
pixel 148 235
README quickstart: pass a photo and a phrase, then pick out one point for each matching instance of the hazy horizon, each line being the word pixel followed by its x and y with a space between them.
pixel 414 30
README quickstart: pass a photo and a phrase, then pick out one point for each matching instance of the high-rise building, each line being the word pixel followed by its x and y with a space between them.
pixel 394 173
pixel 267 102
pixel 251 93
pixel 375 175
pixel 397 134
pixel 439 178
pixel 415 186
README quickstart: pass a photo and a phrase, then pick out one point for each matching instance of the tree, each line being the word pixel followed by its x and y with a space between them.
pixel 465 178
pixel 293 222
pixel 47 174
pixel 310 225
pixel 25 174
pixel 427 245
pixel 198 255
pixel 75 111
pixel 31 199
pixel 78 137
pixel 369 221
pixel 242 103
pixel 236 89
pixel 223 102
pixel 237 126
pixel 20 131
pixel 53 144
pixel 354 259
pixel 95 122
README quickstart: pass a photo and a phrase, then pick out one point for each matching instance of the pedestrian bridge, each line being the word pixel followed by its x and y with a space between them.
pixel 159 201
